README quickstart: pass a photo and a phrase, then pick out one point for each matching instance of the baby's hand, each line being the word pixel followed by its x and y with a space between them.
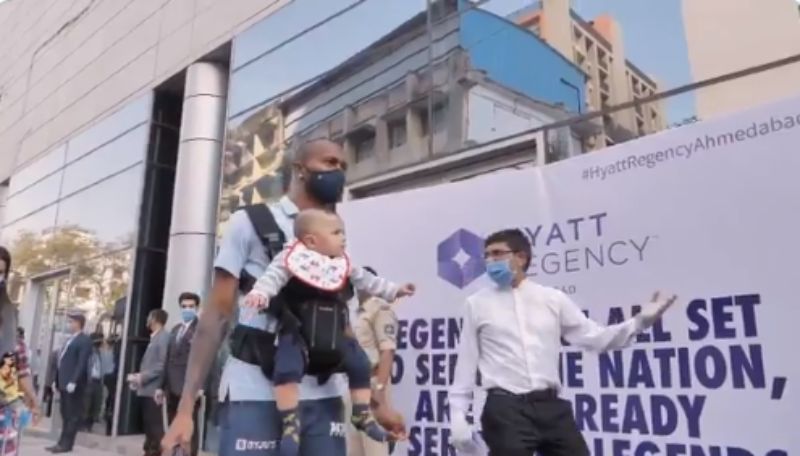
pixel 406 290
pixel 255 300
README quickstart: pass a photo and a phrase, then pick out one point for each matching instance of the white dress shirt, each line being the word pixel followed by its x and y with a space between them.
pixel 182 331
pixel 513 338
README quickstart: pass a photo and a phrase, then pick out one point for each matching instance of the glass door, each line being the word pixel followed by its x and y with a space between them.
pixel 48 333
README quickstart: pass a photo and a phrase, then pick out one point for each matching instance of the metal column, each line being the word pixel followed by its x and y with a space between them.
pixel 197 184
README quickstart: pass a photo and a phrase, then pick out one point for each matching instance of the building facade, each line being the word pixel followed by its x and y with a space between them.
pixel 377 104
pixel 130 130
pixel 743 34
pixel 597 47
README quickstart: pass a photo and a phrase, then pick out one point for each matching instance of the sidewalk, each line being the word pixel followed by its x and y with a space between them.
pixel 35 446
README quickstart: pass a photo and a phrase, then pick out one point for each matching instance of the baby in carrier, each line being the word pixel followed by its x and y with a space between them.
pixel 12 410
pixel 316 269
pixel 10 392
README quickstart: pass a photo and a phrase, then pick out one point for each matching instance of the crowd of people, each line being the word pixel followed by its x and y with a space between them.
pixel 309 329
pixel 280 389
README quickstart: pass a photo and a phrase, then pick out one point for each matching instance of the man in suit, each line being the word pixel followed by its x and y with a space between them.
pixel 149 379
pixel 71 380
pixel 180 343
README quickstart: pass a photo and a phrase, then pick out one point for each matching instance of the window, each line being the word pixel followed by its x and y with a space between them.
pixel 363 143
pixel 105 161
pixel 365 148
pixel 38 169
pixel 439 115
pixel 110 127
pixel 106 213
pixel 398 133
pixel 34 197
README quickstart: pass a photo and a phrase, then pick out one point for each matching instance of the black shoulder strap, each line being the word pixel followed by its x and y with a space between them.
pixel 267 229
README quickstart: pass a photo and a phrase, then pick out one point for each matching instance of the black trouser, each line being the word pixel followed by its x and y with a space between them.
pixel 172 410
pixel 519 425
pixel 72 407
pixel 110 382
pixel 94 402
pixel 153 426
pixel 290 362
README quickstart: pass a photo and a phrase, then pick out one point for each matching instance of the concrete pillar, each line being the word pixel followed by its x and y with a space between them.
pixel 382 142
pixel 197 183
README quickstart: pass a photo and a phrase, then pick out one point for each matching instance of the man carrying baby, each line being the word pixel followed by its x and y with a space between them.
pixel 250 424
pixel 315 270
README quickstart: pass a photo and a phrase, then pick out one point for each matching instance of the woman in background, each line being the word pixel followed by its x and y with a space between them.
pixel 11 343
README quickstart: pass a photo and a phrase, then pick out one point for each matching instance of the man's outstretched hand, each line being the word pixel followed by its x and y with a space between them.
pixel 392 421
pixel 653 310
pixel 179 434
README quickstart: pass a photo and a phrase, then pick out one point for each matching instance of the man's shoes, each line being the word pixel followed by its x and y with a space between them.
pixel 59 450
pixel 51 448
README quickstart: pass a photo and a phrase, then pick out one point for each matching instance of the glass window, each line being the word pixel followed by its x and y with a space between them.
pixel 34 226
pixel 99 287
pixel 283 25
pixel 97 284
pixel 105 215
pixel 253 162
pixel 363 143
pixel 39 168
pixel 316 50
pixel 32 248
pixel 132 114
pixel 398 133
pixel 114 156
pixel 34 197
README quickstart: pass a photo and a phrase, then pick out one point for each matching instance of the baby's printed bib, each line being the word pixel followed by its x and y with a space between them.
pixel 317 270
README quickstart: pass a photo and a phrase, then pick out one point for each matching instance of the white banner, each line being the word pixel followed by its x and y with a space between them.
pixel 710 211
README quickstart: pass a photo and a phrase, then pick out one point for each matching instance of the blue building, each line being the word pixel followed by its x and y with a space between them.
pixel 485 78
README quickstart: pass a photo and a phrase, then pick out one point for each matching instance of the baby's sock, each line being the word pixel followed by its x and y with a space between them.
pixel 290 440
pixel 364 421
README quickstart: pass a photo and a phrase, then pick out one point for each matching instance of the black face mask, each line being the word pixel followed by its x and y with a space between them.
pixel 326 186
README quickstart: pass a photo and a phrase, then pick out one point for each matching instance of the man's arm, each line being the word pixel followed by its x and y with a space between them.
pixel 82 366
pixel 216 317
pixel 463 387
pixel 580 330
pixel 172 336
pixel 156 373
pixel 211 329
pixel 385 327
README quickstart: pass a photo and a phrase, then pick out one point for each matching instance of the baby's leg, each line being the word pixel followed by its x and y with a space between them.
pixel 358 374
pixel 289 369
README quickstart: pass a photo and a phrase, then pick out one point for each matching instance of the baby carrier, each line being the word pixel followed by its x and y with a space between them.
pixel 318 317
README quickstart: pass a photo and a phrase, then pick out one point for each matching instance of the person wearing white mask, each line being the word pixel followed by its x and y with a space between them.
pixel 180 343
pixel 511 335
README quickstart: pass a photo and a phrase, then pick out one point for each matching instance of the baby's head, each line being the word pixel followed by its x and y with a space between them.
pixel 8 360
pixel 321 231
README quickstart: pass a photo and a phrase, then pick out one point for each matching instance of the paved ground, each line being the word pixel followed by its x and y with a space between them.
pixel 35 446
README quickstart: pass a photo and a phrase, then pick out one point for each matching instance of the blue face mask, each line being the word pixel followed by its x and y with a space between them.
pixel 188 315
pixel 326 186
pixel 500 272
